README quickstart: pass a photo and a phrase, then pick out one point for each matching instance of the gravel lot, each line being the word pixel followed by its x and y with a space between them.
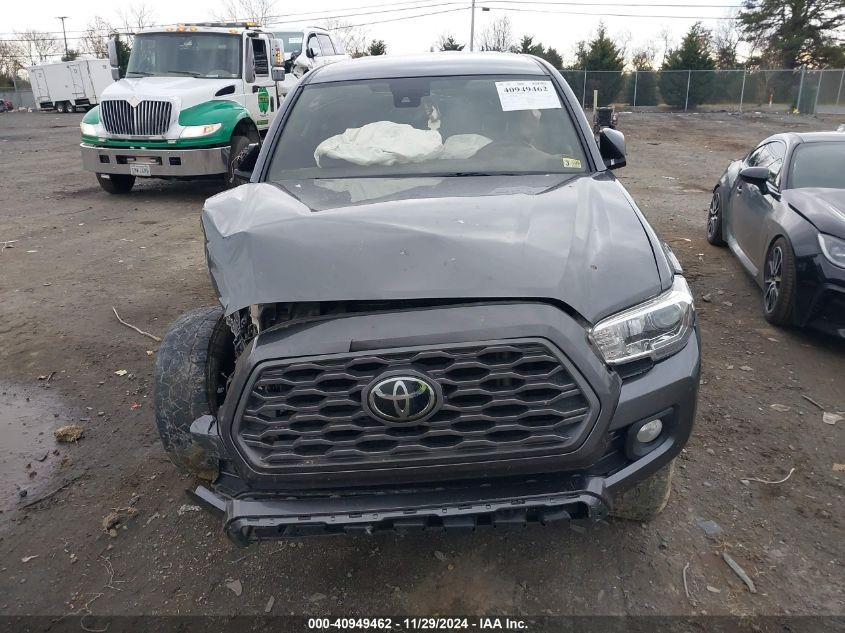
pixel 71 252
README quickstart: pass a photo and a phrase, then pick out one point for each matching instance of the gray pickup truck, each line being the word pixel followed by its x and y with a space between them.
pixel 438 309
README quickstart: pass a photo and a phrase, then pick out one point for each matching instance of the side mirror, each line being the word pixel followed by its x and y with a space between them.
pixel 755 175
pixel 277 56
pixel 245 162
pixel 612 148
pixel 759 176
pixel 311 52
pixel 114 59
pixel 249 64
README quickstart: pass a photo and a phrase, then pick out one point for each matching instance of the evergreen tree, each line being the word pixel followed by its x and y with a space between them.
pixel 377 47
pixel 692 54
pixel 448 43
pixel 601 54
pixel 794 33
pixel 528 47
pixel 553 57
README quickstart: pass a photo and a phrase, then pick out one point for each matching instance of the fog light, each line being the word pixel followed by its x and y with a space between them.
pixel 649 431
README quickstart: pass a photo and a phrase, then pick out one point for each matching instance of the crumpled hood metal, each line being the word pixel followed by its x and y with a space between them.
pixel 825 208
pixel 573 240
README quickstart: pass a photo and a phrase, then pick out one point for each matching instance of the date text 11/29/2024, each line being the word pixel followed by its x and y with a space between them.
pixel 418 624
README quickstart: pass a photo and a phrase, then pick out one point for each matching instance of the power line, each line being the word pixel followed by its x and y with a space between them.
pixel 617 4
pixel 616 15
pixel 405 17
pixel 393 7
pixel 316 15
pixel 371 22
pixel 378 12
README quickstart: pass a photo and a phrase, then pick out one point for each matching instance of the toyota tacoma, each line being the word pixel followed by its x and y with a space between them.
pixel 439 308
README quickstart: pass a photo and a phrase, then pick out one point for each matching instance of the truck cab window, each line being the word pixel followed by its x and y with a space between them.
pixel 314 46
pixel 259 51
pixel 326 44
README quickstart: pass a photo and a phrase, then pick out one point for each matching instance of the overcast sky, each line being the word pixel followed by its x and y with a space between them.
pixel 641 23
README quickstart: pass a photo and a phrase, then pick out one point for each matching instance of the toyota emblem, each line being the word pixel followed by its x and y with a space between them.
pixel 402 398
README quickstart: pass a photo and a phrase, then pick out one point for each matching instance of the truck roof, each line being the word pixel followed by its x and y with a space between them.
pixel 205 27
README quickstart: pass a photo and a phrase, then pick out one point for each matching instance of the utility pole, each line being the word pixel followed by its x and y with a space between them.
pixel 64 33
pixel 472 27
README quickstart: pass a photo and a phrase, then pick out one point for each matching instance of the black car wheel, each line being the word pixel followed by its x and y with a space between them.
pixel 116 183
pixel 192 368
pixel 779 282
pixel 714 221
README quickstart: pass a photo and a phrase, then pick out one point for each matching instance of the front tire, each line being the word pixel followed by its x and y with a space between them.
pixel 779 283
pixel 192 368
pixel 715 215
pixel 116 183
pixel 238 145
pixel 647 499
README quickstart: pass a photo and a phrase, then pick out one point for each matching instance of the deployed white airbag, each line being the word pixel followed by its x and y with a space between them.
pixel 382 143
pixel 463 146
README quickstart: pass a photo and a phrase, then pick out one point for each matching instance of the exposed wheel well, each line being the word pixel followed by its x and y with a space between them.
pixel 246 127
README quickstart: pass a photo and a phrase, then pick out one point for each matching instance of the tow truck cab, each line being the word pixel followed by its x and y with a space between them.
pixel 191 98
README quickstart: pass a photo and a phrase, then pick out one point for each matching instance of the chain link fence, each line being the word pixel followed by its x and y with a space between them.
pixel 801 90
pixel 19 94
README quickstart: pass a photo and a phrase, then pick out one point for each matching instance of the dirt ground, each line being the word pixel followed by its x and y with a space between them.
pixel 70 252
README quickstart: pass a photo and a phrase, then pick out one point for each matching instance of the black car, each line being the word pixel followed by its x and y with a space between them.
pixel 781 210
pixel 439 309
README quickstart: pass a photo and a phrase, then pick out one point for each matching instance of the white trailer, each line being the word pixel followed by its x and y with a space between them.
pixel 68 86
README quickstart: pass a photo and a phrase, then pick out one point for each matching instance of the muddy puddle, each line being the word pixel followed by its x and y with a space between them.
pixel 28 451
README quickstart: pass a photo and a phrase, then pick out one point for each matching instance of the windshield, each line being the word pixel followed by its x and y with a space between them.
pixel 818 165
pixel 185 55
pixel 291 41
pixel 428 126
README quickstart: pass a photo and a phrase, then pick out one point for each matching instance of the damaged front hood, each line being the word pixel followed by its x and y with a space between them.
pixel 576 240
pixel 825 208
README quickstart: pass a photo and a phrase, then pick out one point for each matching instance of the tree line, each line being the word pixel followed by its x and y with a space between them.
pixel 780 34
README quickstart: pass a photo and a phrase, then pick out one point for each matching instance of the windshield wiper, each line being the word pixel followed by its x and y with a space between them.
pixel 138 73
pixel 190 73
pixel 465 174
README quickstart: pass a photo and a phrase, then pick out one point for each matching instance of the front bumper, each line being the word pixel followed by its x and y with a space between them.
pixel 577 498
pixel 163 163
pixel 575 485
pixel 820 303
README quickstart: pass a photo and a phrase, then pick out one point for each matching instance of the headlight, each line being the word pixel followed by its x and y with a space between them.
pixel 654 329
pixel 195 131
pixel 833 248
pixel 88 129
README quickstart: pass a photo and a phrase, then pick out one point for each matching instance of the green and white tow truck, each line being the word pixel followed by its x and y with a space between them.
pixel 193 97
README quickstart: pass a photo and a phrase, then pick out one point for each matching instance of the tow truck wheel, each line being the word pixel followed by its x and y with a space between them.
pixel 192 368
pixel 238 144
pixel 116 183
pixel 647 499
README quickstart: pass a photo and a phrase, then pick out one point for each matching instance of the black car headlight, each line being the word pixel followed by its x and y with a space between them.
pixel 654 329
pixel 833 249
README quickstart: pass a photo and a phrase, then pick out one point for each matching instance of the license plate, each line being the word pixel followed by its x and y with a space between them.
pixel 139 170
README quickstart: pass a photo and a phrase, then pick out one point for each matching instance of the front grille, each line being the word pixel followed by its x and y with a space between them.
pixel 501 400
pixel 149 118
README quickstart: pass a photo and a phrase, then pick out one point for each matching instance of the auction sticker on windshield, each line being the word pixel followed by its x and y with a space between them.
pixel 527 95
